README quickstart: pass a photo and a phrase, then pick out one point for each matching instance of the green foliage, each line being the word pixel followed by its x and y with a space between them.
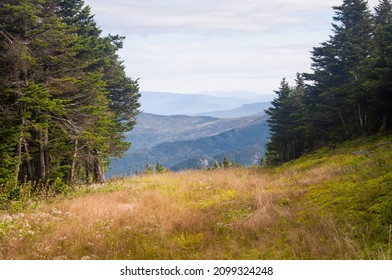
pixel 286 116
pixel 348 94
pixel 159 168
pixel 65 99
pixel 226 163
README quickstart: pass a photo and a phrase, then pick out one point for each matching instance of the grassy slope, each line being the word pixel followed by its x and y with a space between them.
pixel 333 204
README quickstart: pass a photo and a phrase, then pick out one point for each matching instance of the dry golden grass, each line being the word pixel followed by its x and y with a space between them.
pixel 297 211
pixel 235 213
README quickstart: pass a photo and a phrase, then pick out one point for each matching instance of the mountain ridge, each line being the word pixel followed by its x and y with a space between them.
pixel 152 129
pixel 165 103
pixel 242 111
pixel 163 139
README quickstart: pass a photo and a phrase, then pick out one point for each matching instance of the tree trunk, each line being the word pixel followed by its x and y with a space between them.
pixel 41 155
pixel 73 164
pixel 362 115
pixel 343 122
pixel 46 155
pixel 22 113
pixel 384 122
pixel 18 156
pixel 99 173
pixel 88 182
pixel 27 160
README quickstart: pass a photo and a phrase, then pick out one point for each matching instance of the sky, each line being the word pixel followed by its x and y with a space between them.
pixel 193 46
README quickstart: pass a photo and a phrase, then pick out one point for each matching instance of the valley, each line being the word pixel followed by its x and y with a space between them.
pixel 185 142
pixel 189 138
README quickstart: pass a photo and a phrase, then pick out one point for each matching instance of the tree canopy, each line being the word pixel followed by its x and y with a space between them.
pixel 347 94
pixel 65 100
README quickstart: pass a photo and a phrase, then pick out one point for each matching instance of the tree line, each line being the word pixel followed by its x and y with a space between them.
pixel 65 100
pixel 348 94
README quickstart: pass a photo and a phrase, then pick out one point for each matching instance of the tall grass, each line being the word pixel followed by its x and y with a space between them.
pixel 329 205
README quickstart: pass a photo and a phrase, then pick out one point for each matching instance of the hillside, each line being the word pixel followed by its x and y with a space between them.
pixel 184 142
pixel 331 204
pixel 154 129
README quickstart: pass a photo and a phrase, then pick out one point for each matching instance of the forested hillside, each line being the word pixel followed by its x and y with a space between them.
pixel 185 142
pixel 65 100
pixel 151 130
pixel 349 92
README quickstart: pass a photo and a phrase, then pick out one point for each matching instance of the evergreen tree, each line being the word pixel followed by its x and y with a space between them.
pixel 65 100
pixel 159 167
pixel 277 146
pixel 349 92
pixel 336 93
pixel 99 54
pixel 378 71
pixel 286 123
pixel 226 163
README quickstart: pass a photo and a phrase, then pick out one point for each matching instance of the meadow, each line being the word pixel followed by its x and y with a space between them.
pixel 335 203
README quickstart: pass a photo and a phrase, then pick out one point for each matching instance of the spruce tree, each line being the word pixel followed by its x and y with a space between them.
pixel 336 92
pixel 65 100
pixel 348 94
pixel 277 146
pixel 378 70
pixel 286 120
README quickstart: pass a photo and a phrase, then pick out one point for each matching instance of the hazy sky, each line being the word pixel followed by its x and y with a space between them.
pixel 190 46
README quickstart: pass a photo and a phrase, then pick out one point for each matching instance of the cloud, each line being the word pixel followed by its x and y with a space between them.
pixel 203 45
pixel 157 16
pixel 211 16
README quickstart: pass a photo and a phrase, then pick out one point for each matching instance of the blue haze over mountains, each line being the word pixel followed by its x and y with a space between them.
pixel 162 103
pixel 184 131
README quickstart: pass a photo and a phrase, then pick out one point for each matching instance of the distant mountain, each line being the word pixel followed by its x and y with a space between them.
pixel 151 129
pixel 243 111
pixel 184 142
pixel 162 103
pixel 241 94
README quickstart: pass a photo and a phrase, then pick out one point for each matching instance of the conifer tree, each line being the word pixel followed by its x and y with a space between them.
pixel 286 123
pixel 226 163
pixel 159 167
pixel 349 92
pixel 335 91
pixel 277 146
pixel 378 70
pixel 65 100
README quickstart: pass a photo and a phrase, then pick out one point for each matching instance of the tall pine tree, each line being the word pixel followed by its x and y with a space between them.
pixel 65 100
pixel 349 92
pixel 286 123
pixel 378 70
pixel 336 92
